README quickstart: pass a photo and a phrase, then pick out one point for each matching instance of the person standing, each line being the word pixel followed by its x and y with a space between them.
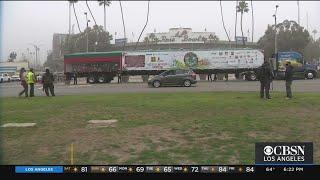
pixel 119 76
pixel 75 77
pixel 289 78
pixel 31 79
pixel 23 82
pixel 265 76
pixel 48 80
pixel 226 76
pixel 210 77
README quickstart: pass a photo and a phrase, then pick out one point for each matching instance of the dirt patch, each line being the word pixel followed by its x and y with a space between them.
pixel 252 134
pixel 19 125
pixel 234 159
pixel 102 123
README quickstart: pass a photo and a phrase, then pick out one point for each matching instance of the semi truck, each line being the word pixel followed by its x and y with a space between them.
pixel 301 70
pixel 102 67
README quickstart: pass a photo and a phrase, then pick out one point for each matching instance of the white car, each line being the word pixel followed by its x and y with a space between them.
pixel 4 78
pixel 15 78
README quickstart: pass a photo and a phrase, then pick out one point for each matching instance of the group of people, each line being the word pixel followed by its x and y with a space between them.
pixel 28 79
pixel 266 76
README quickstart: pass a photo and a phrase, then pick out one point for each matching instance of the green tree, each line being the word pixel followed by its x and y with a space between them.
pixel 242 8
pixel 312 51
pixel 98 40
pixel 55 64
pixel 291 36
pixel 105 3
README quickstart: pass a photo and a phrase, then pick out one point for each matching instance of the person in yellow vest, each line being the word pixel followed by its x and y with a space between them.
pixel 31 80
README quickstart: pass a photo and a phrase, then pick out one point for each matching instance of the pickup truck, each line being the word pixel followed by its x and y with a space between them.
pixel 4 78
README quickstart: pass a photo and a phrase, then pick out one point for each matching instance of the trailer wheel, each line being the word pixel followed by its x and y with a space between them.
pixel 101 79
pixel 91 79
pixel 310 75
pixel 251 76
pixel 156 84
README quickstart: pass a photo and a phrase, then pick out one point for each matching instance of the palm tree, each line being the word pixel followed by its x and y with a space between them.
pixel 104 3
pixel 91 13
pixel 242 8
pixel 224 27
pixel 252 22
pixel 75 14
pixel 236 21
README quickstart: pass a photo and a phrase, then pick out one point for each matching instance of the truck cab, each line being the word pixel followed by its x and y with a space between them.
pixel 301 70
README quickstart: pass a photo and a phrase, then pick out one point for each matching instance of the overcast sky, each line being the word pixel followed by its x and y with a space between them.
pixel 25 22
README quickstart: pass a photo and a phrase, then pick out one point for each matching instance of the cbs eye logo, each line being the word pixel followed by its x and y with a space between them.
pixel 268 150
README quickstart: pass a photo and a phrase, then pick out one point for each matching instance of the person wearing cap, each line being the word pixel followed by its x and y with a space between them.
pixel 47 80
pixel 23 80
pixel 31 80
pixel 289 78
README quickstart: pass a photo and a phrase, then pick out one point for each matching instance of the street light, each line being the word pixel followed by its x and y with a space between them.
pixel 87 30
pixel 275 33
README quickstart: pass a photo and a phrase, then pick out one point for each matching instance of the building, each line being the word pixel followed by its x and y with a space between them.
pixel 57 44
pixel 13 67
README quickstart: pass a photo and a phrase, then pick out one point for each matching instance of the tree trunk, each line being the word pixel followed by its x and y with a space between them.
pixel 224 27
pixel 75 14
pixel 105 17
pixel 91 13
pixel 252 22
pixel 242 30
pixel 69 18
pixel 235 26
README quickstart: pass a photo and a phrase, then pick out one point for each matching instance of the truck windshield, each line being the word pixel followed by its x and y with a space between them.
pixel 294 57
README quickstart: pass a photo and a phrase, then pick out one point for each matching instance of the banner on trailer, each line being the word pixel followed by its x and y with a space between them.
pixel 214 59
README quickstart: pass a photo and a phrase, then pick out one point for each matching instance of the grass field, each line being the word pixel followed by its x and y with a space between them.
pixel 156 128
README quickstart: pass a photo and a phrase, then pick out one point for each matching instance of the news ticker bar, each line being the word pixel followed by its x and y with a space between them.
pixel 135 169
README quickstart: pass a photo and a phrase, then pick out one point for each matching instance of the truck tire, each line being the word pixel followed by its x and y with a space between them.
pixel 310 75
pixel 156 84
pixel 91 79
pixel 1 81
pixel 101 79
pixel 251 76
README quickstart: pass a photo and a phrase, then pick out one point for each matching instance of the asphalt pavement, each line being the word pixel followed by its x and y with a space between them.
pixel 12 89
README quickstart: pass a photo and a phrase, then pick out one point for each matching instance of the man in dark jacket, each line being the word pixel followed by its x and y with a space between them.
pixel 265 76
pixel 288 77
pixel 47 80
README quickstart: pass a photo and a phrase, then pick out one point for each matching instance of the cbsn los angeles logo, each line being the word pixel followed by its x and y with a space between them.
pixel 284 153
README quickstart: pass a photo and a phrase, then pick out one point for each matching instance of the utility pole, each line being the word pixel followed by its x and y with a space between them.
pixel 275 33
pixel 37 49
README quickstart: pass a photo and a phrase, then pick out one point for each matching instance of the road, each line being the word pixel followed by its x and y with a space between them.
pixel 12 89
